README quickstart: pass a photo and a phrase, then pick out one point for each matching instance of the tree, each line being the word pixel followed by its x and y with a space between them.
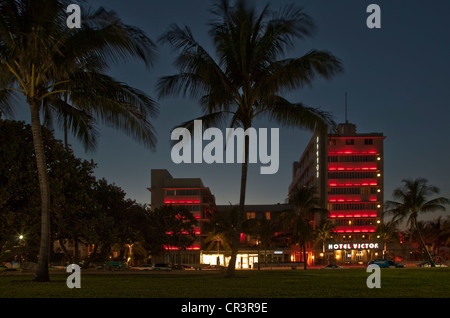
pixel 324 233
pixel 264 230
pixel 433 231
pixel 249 74
pixel 60 72
pixel 19 189
pixel 71 180
pixel 174 226
pixel 223 227
pixel 387 231
pixel 445 232
pixel 412 202
pixel 217 240
pixel 300 220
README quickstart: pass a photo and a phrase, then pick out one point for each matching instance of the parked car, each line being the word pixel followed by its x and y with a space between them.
pixel 162 267
pixel 332 266
pixel 114 265
pixel 383 263
pixel 212 267
pixel 184 267
pixel 143 267
pixel 428 264
pixel 7 269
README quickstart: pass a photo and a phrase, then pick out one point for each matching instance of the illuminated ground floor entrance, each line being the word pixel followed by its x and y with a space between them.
pixel 246 259
pixel 243 260
pixel 351 253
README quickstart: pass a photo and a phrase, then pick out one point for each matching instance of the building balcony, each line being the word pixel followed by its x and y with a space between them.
pixel 355 229
pixel 182 199
pixel 337 198
pixel 352 166
pixel 352 182
pixel 353 214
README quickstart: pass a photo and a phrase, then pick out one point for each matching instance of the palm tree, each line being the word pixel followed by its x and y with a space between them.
pixel 445 231
pixel 264 231
pixel 413 202
pixel 218 240
pixel 60 72
pixel 387 231
pixel 249 74
pixel 300 220
pixel 324 233
pixel 223 225
pixel 433 230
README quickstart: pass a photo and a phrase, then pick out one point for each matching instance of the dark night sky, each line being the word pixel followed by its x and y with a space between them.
pixel 397 79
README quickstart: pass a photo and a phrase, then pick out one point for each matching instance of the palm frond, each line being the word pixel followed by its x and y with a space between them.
pixel 296 114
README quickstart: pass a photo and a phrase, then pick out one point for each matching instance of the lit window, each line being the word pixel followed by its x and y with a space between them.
pixel 251 215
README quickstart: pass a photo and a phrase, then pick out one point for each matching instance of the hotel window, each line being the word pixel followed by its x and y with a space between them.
pixel 347 238
pixel 349 141
pixel 170 192
pixel 251 215
pixel 368 141
pixel 267 215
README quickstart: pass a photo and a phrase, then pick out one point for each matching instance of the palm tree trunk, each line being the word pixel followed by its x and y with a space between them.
pixel 304 256
pixel 237 233
pixel 423 243
pixel 41 273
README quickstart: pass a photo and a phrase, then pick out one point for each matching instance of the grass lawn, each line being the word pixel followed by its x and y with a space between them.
pixel 348 283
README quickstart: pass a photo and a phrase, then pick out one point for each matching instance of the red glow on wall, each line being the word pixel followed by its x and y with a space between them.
pixel 176 248
pixel 352 184
pixel 350 152
pixel 355 229
pixel 351 168
pixel 360 214
pixel 184 232
pixel 181 201
pixel 344 200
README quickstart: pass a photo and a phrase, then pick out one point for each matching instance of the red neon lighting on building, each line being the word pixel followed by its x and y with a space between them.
pixel 181 201
pixel 354 215
pixel 176 248
pixel 351 168
pixel 355 229
pixel 349 152
pixel 352 184
pixel 345 200
pixel 184 232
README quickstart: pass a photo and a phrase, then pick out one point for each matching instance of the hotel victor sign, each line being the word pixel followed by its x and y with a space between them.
pixel 353 246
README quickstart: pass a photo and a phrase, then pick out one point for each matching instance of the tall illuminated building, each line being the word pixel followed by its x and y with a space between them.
pixel 189 193
pixel 347 169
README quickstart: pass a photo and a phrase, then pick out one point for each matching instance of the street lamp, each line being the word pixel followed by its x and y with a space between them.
pixel 20 250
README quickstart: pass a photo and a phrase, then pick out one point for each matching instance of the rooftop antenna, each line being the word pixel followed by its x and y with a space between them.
pixel 346 121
